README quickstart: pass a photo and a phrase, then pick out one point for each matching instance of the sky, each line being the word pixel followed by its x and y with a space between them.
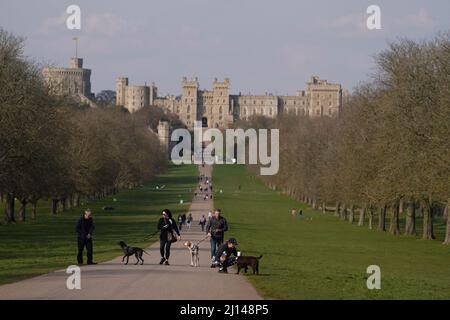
pixel 261 45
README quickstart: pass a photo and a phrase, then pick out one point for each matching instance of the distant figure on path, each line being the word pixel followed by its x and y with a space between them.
pixel 189 220
pixel 84 229
pixel 209 215
pixel 202 222
pixel 216 228
pixel 180 222
pixel 169 233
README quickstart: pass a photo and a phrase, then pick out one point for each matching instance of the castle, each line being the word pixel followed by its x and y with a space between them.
pixel 74 81
pixel 217 108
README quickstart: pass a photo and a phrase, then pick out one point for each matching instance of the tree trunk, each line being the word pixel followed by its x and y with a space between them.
pixel 9 208
pixel 77 200
pixel 314 203
pixel 401 206
pixel 54 206
pixel 343 212
pixel 447 217
pixel 371 214
pixel 394 227
pixel 382 219
pixel 362 212
pixel 22 210
pixel 324 208
pixel 351 217
pixel 410 224
pixel 428 233
pixel 336 209
pixel 64 204
pixel 33 209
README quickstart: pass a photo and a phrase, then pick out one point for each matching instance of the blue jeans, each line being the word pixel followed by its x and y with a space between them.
pixel 215 243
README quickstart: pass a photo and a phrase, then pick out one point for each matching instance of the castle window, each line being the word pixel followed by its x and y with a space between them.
pixel 188 109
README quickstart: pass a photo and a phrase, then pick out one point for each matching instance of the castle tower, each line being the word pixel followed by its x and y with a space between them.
pixel 164 135
pixel 121 84
pixel 76 63
pixel 189 101
pixel 153 93
pixel 221 113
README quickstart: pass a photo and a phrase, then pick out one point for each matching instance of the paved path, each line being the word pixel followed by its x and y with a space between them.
pixel 112 280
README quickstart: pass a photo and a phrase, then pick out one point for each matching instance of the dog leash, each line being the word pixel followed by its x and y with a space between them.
pixel 151 235
pixel 202 240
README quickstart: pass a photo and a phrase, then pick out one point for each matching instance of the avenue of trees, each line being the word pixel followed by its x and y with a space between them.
pixel 54 149
pixel 386 159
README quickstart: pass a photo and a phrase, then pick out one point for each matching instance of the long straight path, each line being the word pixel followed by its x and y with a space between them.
pixel 113 280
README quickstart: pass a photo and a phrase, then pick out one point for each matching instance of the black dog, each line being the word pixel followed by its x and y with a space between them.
pixel 244 262
pixel 129 251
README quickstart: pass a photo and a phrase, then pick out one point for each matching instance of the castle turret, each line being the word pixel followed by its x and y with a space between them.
pixel 121 84
pixel 164 135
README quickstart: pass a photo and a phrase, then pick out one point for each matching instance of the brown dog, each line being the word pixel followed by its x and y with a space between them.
pixel 243 263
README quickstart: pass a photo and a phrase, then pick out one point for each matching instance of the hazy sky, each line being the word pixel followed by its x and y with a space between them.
pixel 272 46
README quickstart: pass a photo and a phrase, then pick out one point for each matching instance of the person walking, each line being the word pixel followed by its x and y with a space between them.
pixel 202 222
pixel 183 218
pixel 169 234
pixel 216 228
pixel 84 229
pixel 189 221
pixel 180 222
pixel 209 215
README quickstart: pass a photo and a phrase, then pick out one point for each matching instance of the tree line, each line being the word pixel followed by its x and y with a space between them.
pixel 55 149
pixel 387 155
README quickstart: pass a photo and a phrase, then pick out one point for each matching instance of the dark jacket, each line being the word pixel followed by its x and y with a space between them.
pixel 84 227
pixel 165 227
pixel 224 248
pixel 217 227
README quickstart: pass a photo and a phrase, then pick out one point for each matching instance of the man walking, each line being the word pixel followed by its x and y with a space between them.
pixel 216 228
pixel 84 229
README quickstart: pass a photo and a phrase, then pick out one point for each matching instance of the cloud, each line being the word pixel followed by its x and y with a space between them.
pixel 419 20
pixel 107 24
pixel 49 24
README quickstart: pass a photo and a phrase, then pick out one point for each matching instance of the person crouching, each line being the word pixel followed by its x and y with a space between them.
pixel 223 255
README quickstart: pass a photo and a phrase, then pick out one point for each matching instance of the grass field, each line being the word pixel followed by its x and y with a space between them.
pixel 49 243
pixel 319 256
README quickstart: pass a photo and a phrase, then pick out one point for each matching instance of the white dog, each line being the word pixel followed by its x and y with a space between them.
pixel 193 250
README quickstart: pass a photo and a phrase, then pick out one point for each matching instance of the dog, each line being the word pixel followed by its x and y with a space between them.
pixel 129 251
pixel 194 251
pixel 243 262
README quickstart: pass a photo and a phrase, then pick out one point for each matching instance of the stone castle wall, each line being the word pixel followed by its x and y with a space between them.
pixel 217 108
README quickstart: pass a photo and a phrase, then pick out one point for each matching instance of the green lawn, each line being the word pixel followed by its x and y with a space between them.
pixel 319 256
pixel 49 243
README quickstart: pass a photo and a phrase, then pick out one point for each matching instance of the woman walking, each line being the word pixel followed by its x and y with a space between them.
pixel 169 233
pixel 202 222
